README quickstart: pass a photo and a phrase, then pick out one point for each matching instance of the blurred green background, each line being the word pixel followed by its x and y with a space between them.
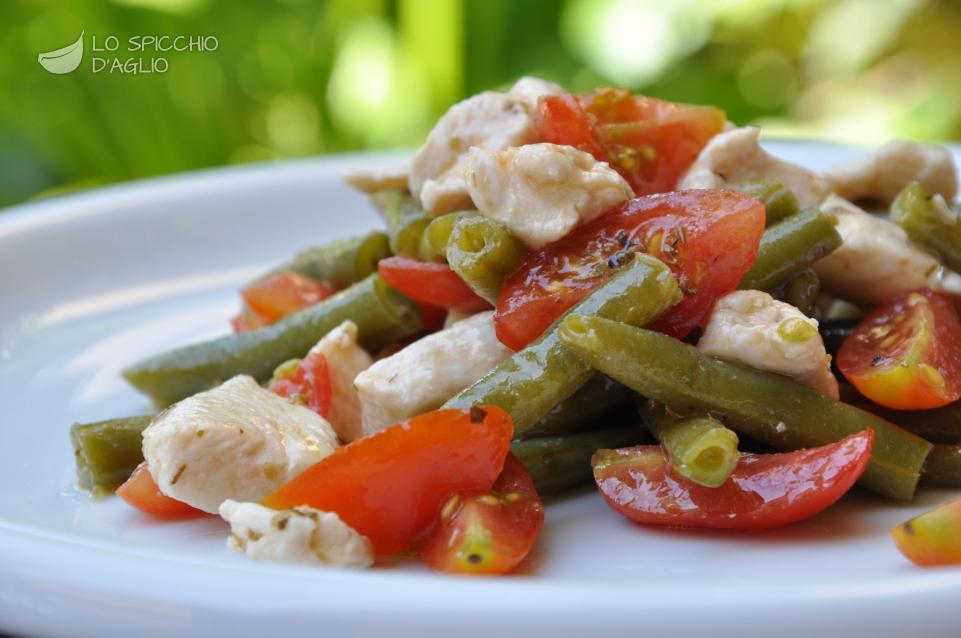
pixel 292 78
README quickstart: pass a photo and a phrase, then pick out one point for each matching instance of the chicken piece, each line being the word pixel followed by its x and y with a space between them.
pixel 345 360
pixel 541 192
pixel 879 176
pixel 299 535
pixel 429 371
pixel 488 120
pixel 877 260
pixel 374 180
pixel 751 328
pixel 237 441
pixel 734 157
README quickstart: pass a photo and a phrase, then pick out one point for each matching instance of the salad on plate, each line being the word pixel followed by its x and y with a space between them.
pixel 567 289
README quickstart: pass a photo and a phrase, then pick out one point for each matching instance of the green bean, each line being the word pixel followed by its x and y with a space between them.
pixel 406 220
pixel 700 447
pixel 560 463
pixel 930 223
pixel 801 291
pixel 107 452
pixel 835 331
pixel 940 425
pixel 545 373
pixel 340 263
pixel 382 316
pixel 779 201
pixel 439 230
pixel 769 408
pixel 483 253
pixel 943 467
pixel 789 247
pixel 599 400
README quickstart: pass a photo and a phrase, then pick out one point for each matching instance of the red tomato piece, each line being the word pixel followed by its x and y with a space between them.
pixel 275 296
pixel 308 383
pixel 432 317
pixel 708 238
pixel 933 538
pixel 390 486
pixel 487 533
pixel 650 142
pixel 429 283
pixel 141 491
pixel 246 320
pixel 906 354
pixel 764 491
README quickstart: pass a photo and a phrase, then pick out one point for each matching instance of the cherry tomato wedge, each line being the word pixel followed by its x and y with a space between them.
pixel 933 538
pixel 650 142
pixel 390 486
pixel 429 283
pixel 141 491
pixel 708 238
pixel 487 532
pixel 308 383
pixel 275 296
pixel 246 320
pixel 906 354
pixel 764 491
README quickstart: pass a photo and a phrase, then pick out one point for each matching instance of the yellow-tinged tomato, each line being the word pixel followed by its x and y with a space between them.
pixel 932 539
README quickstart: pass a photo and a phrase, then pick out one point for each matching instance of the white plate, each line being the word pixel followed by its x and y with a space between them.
pixel 93 282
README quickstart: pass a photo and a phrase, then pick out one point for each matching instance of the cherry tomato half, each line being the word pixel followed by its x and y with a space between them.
pixel 708 238
pixel 275 296
pixel 650 142
pixel 309 383
pixel 487 532
pixel 906 354
pixel 390 486
pixel 764 491
pixel 933 538
pixel 141 491
pixel 429 283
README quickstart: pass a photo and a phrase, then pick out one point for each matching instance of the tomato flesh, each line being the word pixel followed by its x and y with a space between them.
pixel 429 283
pixel 906 354
pixel 933 538
pixel 308 383
pixel 142 492
pixel 390 486
pixel 708 238
pixel 487 533
pixel 650 142
pixel 764 491
pixel 275 296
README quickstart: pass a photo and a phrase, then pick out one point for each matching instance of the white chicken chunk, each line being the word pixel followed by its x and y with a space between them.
pixel 237 441
pixel 881 175
pixel 751 328
pixel 429 371
pixel 374 180
pixel 877 260
pixel 735 156
pixel 541 192
pixel 488 120
pixel 300 535
pixel 345 360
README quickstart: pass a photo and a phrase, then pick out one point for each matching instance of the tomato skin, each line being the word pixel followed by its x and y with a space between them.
pixel 906 354
pixel 390 486
pixel 309 383
pixel 764 491
pixel 246 320
pixel 708 238
pixel 273 297
pixel 650 142
pixel 487 533
pixel 933 538
pixel 429 283
pixel 141 492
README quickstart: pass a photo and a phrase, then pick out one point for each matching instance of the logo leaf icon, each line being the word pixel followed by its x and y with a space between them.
pixel 63 60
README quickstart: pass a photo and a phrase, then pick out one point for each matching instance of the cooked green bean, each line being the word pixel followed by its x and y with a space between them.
pixel 789 247
pixel 439 230
pixel 340 263
pixel 593 405
pixel 943 467
pixel 779 201
pixel 835 331
pixel 801 291
pixel 483 253
pixel 940 425
pixel 406 221
pixel 767 407
pixel 382 316
pixel 934 226
pixel 107 452
pixel 560 463
pixel 700 447
pixel 545 373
